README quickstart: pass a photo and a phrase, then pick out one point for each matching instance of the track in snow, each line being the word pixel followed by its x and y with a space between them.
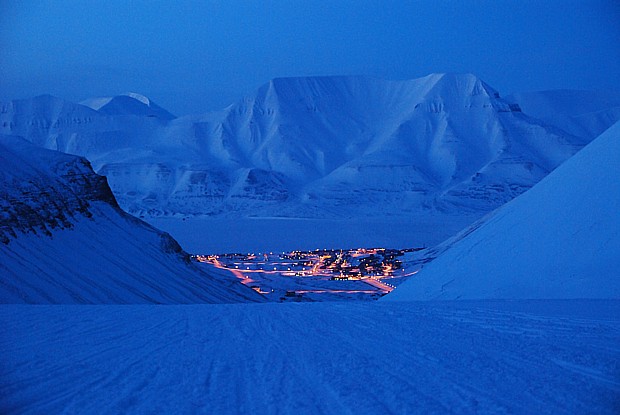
pixel 466 357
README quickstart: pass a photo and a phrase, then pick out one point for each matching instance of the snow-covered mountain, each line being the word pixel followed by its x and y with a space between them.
pixel 560 239
pixel 581 113
pixel 128 104
pixel 321 147
pixel 63 239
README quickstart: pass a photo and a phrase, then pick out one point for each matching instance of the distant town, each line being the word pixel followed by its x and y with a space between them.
pixel 318 275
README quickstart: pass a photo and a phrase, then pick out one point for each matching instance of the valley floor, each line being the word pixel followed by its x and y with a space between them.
pixel 206 235
pixel 459 357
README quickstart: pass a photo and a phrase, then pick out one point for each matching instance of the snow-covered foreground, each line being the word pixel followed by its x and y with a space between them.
pixel 458 357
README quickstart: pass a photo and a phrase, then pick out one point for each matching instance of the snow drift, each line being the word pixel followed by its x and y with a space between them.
pixel 64 239
pixel 561 239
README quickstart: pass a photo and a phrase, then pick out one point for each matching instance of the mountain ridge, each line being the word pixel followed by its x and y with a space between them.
pixel 336 146
pixel 130 103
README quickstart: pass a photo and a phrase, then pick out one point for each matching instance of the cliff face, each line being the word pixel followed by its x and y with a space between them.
pixel 42 197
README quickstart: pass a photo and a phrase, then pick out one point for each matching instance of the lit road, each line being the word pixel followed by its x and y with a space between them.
pixel 337 291
pixel 237 273
pixel 375 282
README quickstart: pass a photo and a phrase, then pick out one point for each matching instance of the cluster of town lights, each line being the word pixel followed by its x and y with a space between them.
pixel 371 265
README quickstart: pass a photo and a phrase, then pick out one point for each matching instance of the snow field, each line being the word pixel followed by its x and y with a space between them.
pixel 435 357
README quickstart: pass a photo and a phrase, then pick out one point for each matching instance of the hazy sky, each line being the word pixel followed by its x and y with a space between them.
pixel 194 56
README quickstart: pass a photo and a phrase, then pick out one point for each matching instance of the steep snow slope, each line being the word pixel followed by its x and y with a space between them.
pixel 335 147
pixel 561 239
pixel 64 239
pixel 421 358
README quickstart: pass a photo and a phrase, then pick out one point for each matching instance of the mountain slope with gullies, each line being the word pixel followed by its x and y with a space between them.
pixel 316 147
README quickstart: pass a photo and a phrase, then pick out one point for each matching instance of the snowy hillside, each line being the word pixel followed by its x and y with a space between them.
pixel 561 239
pixel 324 147
pixel 64 239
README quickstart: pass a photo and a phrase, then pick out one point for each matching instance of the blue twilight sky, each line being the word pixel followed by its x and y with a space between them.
pixel 194 56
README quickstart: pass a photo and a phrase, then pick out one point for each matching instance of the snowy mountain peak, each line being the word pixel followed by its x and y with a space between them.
pixel 460 84
pixel 464 81
pixel 321 93
pixel 99 102
pixel 139 97
pixel 130 103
